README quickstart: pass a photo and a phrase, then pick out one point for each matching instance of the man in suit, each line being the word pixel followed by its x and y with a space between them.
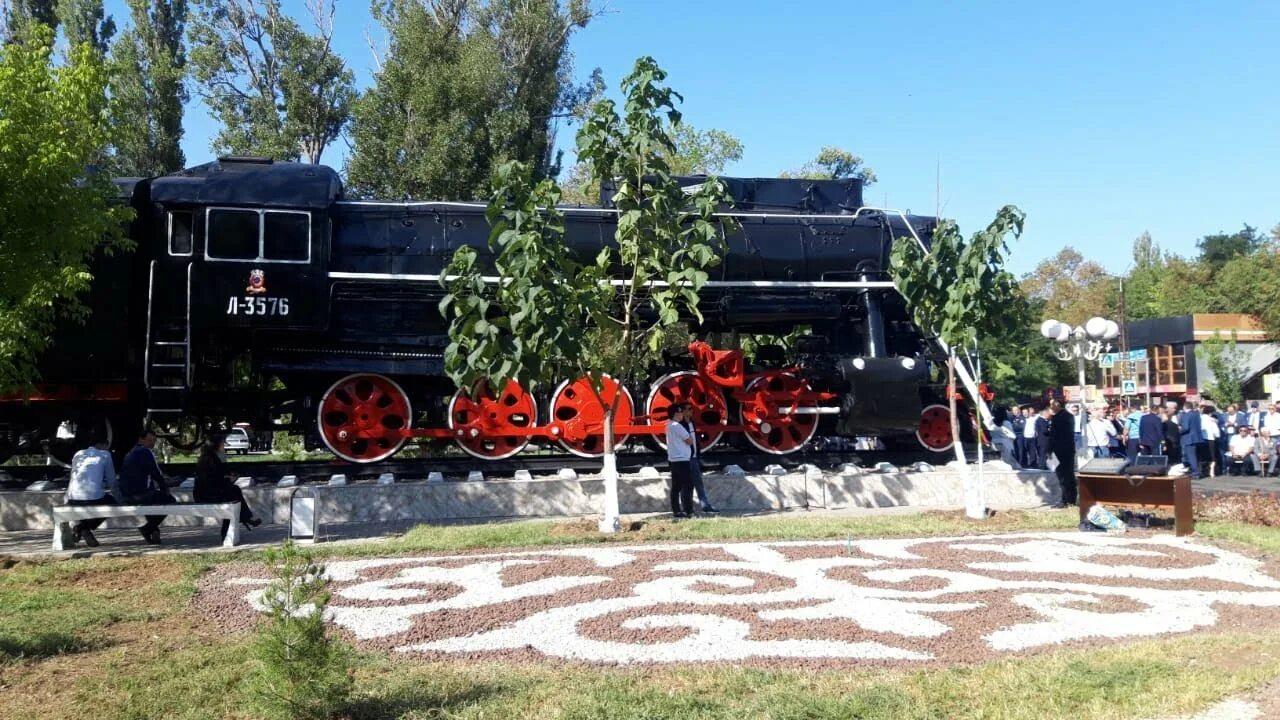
pixel 1042 438
pixel 1150 433
pixel 1190 436
pixel 1062 440
pixel 1255 417
pixel 1018 420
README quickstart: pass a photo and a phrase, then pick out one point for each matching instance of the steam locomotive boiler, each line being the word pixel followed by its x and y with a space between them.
pixel 258 291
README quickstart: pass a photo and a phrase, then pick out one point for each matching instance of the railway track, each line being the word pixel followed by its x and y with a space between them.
pixel 458 467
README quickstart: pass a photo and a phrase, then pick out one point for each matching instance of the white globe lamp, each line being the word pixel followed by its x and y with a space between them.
pixel 1096 327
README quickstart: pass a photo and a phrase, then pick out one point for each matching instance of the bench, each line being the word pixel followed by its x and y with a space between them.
pixel 63 515
pixel 1156 490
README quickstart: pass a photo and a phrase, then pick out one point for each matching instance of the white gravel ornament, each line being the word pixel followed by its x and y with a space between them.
pixel 906 598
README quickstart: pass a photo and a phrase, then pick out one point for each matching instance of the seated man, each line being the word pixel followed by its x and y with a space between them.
pixel 93 482
pixel 1244 452
pixel 142 483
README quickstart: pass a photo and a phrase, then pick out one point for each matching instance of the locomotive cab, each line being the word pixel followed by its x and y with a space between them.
pixel 239 252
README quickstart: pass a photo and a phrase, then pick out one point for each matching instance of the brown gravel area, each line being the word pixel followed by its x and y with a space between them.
pixel 849 610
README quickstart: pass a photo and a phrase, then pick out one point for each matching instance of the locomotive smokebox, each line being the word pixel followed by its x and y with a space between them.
pixel 883 395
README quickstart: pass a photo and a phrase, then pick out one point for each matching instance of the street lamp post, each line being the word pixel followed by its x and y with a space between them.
pixel 1081 343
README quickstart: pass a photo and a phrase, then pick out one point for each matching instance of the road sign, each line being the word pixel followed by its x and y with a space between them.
pixel 1129 386
pixel 1108 360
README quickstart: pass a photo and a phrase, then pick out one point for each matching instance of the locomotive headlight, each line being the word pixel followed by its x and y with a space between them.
pixel 909 363
pixel 859 364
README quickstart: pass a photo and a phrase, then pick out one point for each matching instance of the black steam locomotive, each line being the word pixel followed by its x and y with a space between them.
pixel 257 292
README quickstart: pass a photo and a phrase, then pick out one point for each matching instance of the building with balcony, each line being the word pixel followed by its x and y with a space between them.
pixel 1177 364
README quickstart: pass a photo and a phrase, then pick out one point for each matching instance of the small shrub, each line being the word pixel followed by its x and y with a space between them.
pixel 303 673
pixel 288 446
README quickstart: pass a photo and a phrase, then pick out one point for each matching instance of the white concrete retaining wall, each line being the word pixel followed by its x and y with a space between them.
pixel 550 497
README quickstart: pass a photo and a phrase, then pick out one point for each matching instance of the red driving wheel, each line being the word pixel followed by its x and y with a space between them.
pixel 360 417
pixel 934 432
pixel 575 406
pixel 491 423
pixel 768 414
pixel 710 412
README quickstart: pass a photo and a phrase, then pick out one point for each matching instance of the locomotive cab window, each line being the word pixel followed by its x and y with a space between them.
pixel 282 236
pixel 286 236
pixel 233 235
pixel 180 236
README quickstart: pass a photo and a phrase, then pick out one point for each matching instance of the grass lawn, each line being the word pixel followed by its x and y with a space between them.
pixel 116 638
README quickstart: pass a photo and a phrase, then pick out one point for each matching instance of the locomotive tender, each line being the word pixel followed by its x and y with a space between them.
pixel 258 292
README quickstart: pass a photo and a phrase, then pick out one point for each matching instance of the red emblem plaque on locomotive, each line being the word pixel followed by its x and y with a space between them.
pixel 257 282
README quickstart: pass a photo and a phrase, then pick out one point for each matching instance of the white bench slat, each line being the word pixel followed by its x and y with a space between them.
pixel 62 514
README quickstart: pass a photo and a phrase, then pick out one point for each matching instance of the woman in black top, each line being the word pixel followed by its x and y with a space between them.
pixel 214 486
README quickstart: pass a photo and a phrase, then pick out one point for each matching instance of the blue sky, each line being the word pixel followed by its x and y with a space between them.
pixel 1099 119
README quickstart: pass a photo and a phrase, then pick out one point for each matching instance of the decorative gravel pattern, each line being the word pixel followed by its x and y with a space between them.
pixel 882 601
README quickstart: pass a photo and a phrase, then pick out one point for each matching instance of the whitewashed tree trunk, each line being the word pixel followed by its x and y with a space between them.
pixel 610 519
pixel 975 506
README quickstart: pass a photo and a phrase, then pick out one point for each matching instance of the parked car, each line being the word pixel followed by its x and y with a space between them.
pixel 238 441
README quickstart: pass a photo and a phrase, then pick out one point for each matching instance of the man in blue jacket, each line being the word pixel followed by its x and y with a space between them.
pixel 142 483
pixel 1131 421
pixel 1191 436
pixel 1150 433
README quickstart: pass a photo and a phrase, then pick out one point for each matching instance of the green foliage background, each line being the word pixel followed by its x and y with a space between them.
pixel 55 212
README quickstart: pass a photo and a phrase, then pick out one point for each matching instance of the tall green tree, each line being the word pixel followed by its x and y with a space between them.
pixel 702 152
pixel 696 152
pixel 24 12
pixel 53 214
pixel 665 242
pixel 1217 250
pixel 1071 288
pixel 833 163
pixel 1250 284
pixel 148 69
pixel 960 290
pixel 1229 367
pixel 86 21
pixel 1018 362
pixel 465 85
pixel 277 90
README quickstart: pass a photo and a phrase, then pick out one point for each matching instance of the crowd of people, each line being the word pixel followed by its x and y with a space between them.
pixel 141 482
pixel 1209 441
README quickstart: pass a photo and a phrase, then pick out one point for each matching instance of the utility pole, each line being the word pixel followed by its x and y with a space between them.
pixel 1124 343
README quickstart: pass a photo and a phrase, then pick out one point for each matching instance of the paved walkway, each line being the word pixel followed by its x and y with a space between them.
pixel 204 539
pixel 126 542
pixel 1236 484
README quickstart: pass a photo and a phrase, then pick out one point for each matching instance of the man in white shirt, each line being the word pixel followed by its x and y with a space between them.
pixel 1243 449
pixel 1270 440
pixel 1031 449
pixel 1099 431
pixel 93 482
pixel 679 454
